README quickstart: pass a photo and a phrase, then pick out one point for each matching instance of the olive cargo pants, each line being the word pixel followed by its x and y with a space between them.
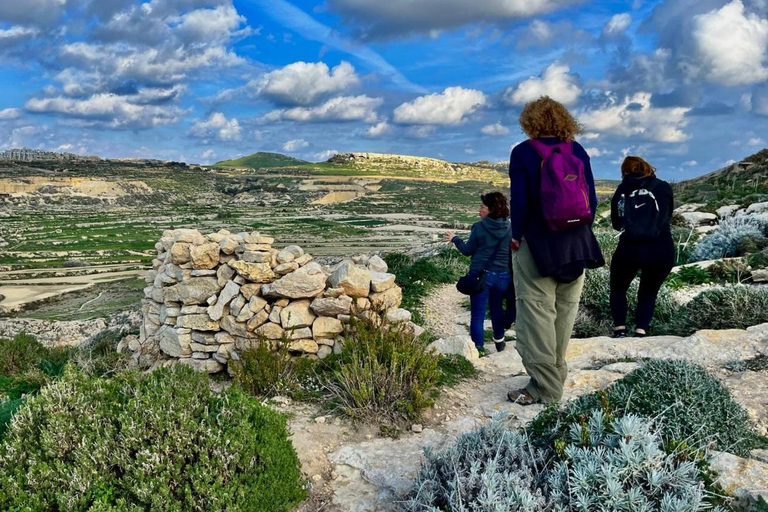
pixel 546 310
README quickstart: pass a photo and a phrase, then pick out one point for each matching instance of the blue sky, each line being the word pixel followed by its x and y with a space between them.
pixel 683 83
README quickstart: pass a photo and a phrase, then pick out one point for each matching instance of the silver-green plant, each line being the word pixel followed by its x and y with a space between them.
pixel 724 241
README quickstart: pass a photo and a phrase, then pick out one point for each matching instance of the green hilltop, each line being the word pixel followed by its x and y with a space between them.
pixel 261 160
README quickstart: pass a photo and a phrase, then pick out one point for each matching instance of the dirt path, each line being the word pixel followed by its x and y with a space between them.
pixel 442 309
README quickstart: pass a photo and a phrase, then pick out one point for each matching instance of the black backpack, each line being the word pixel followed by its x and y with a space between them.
pixel 641 213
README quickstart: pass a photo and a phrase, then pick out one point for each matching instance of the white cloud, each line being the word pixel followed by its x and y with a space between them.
pixel 756 141
pixel 208 155
pixel 634 116
pixel 15 35
pixel 448 108
pixel 325 155
pixel 597 152
pixel 731 45
pixel 422 132
pixel 396 17
pixel 554 82
pixel 295 145
pixel 617 24
pixel 497 129
pixel 302 83
pixel 342 108
pixel 469 151
pixel 31 11
pixel 217 126
pixel 9 113
pixel 378 129
pixel 690 163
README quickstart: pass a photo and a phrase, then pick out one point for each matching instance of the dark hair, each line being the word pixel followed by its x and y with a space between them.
pixel 636 166
pixel 497 205
pixel 546 116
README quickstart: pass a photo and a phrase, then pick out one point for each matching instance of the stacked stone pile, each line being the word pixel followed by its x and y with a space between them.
pixel 211 296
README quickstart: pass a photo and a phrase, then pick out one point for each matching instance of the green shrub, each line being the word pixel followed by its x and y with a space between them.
pixel 454 368
pixel 24 353
pixel 160 441
pixel 382 373
pixel 732 271
pixel 685 238
pixel 692 275
pixel 100 355
pixel 608 241
pixel 693 408
pixel 732 307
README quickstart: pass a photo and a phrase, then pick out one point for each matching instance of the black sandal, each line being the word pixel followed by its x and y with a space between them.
pixel 619 333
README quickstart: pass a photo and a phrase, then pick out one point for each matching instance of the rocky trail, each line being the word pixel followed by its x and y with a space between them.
pixel 353 468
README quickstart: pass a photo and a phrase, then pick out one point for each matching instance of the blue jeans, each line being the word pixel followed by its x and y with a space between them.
pixel 496 284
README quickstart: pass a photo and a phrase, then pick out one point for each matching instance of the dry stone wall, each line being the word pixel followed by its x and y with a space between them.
pixel 212 296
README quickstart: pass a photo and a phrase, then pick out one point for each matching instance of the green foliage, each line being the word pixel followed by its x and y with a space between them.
pixel 100 355
pixel 24 353
pixel 382 373
pixel 693 408
pixel 685 238
pixel 160 441
pixel 732 307
pixel 608 241
pixel 454 368
pixel 262 160
pixel 687 276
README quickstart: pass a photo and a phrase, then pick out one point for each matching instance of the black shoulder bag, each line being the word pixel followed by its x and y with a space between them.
pixel 472 284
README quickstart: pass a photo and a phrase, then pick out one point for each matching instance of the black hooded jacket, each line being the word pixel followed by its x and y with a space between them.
pixel 487 236
pixel 663 193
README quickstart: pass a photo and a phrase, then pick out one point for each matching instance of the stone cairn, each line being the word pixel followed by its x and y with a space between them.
pixel 211 296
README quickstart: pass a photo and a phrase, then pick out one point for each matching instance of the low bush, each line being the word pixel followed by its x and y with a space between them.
pixel 23 353
pixel 732 271
pixel 100 356
pixel 688 276
pixel 160 441
pixel 608 241
pixel 454 368
pixel 382 373
pixel 731 307
pixel 685 238
pixel 724 241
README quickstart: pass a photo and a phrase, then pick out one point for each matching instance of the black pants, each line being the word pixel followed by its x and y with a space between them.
pixel 654 260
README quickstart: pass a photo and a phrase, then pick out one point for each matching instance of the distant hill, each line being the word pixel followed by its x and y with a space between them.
pixel 261 160
pixel 741 183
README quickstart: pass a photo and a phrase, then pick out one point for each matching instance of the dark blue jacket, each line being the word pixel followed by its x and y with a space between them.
pixel 563 254
pixel 484 237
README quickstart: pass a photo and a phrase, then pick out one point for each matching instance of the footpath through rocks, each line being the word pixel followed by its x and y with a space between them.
pixel 353 468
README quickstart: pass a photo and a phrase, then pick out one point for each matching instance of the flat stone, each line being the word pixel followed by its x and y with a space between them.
pixel 746 479
pixel 223 338
pixel 228 245
pixel 296 315
pixel 306 346
pixel 173 343
pixel 326 327
pixel 256 256
pixel 248 290
pixel 381 282
pixel 270 330
pixel 198 323
pixel 306 282
pixel 230 291
pixel 196 290
pixel 180 253
pixel 237 304
pixel 328 306
pixel 258 319
pixel 203 365
pixel 204 272
pixel 223 274
pixel 254 272
pixel 200 347
pixel 297 334
pixel 205 338
pixel 274 315
pixel 390 298
pixel 205 256
pixel 459 345
pixel 398 315
pixel 285 268
pixel 376 264
pixel 256 238
pixel 233 327
pixel 303 260
pixel 353 279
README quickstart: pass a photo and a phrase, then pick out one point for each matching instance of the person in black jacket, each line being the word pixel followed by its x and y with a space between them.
pixel 488 245
pixel 641 209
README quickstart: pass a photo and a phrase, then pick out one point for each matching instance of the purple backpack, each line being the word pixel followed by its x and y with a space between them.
pixel 564 192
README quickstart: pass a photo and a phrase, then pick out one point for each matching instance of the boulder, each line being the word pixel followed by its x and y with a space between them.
pixel 205 256
pixel 256 256
pixel 459 345
pixel 353 279
pixel 289 254
pixel 306 346
pixel 270 330
pixel 326 327
pixel 398 315
pixel 757 208
pixel 328 306
pixel 726 211
pixel 195 290
pixel 198 323
pixel 390 298
pixel 376 264
pixel 381 281
pixel 230 291
pixel 173 343
pixel 699 218
pixel 306 282
pixel 254 272
pixel 180 253
pixel 296 315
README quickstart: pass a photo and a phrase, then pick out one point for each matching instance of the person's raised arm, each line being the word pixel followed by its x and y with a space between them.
pixel 469 247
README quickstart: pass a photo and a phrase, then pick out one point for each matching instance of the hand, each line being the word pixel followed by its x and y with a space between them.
pixel 448 236
pixel 514 244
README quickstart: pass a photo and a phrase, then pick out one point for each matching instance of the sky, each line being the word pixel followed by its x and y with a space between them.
pixel 682 83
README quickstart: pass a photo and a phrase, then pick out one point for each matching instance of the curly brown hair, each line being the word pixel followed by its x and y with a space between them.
pixel 547 117
pixel 497 205
pixel 634 165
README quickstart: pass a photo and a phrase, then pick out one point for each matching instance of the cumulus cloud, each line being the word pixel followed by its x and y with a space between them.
pixel 133 111
pixel 496 129
pixel 448 108
pixel 545 35
pixel 325 155
pixel 554 82
pixel 9 113
pixel 618 24
pixel 218 127
pixel 31 11
pixel 731 45
pixel 597 152
pixel 634 116
pixel 399 17
pixel 303 83
pixel 342 108
pixel 756 141
pixel 295 145
pixel 378 129
pixel 15 35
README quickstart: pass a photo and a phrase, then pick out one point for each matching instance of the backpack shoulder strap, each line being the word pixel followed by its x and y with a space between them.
pixel 542 149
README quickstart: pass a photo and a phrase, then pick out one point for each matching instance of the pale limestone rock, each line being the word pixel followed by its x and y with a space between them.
pixel 303 260
pixel 233 327
pixel 306 346
pixel 248 290
pixel 726 211
pixel 333 292
pixel 460 345
pixel 326 341
pixel 257 248
pixel 398 315
pixel 296 315
pixel 353 279
pixel 198 323
pixel 760 276
pixel 689 207
pixel 258 319
pixel 195 290
pixel 173 343
pixel 390 298
pixel 281 303
pixel 223 274
pixel 362 304
pixel 256 238
pixel 746 479
pixel 332 307
pixel 228 245
pixel 168 312
pixel 326 327
pixel 193 310
pixel 699 218
pixel 301 333
pixel 223 338
pixel 324 351
pixel 285 268
pixel 245 314
pixel 256 256
pixel 200 347
pixel 213 299
pixel 200 355
pixel 237 305
pixel 203 365
pixel 204 256
pixel 180 253
pixel 289 254
pixel 190 236
pixel 256 304
pixel 254 272
pixel 304 283
pixel 274 315
pixel 376 264
pixel 217 237
pixel 270 330
pixel 224 351
pixel 230 291
pixel 204 338
pixel 381 282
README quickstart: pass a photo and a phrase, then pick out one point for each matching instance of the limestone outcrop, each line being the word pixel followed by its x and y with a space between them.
pixel 211 296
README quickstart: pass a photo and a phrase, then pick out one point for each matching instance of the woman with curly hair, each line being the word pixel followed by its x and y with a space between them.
pixel 488 245
pixel 550 175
